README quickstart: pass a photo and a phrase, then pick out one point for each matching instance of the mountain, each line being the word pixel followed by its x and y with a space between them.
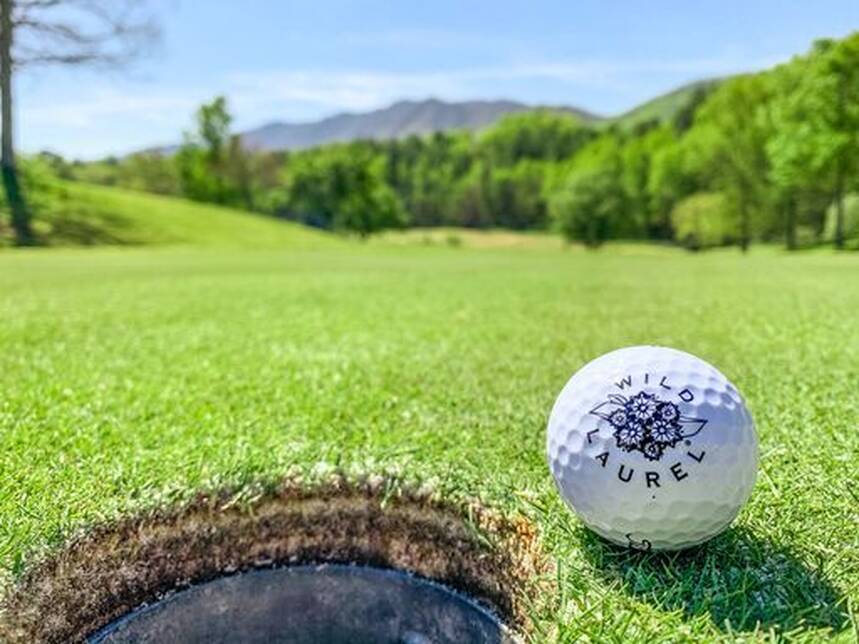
pixel 396 121
pixel 432 115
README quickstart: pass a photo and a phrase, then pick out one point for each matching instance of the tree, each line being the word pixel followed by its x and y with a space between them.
pixel 702 220
pixel 816 120
pixel 471 202
pixel 589 207
pixel 685 116
pixel 516 195
pixel 424 173
pixel 638 164
pixel 63 32
pixel 849 223
pixel 539 134
pixel 731 133
pixel 202 158
pixel 590 204
pixel 239 171
pixel 669 182
pixel 839 113
pixel 793 172
pixel 148 171
pixel 341 187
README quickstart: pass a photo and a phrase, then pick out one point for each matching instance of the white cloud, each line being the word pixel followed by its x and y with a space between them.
pixel 361 90
pixel 107 102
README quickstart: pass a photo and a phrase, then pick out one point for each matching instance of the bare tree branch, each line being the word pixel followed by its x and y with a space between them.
pixel 63 31
pixel 74 32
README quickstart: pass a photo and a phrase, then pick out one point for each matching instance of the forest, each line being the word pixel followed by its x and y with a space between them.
pixel 764 157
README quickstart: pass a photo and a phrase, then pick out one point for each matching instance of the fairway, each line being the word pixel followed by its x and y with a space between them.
pixel 134 378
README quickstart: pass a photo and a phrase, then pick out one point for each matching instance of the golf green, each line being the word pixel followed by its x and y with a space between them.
pixel 132 379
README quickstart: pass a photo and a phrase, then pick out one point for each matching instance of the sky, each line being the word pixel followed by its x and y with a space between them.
pixel 300 61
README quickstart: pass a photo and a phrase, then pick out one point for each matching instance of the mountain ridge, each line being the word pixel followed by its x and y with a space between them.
pixel 426 116
pixel 398 120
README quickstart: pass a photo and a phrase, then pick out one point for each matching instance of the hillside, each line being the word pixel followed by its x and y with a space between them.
pixel 81 214
pixel 665 106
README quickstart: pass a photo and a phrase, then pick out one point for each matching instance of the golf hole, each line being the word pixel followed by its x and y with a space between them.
pixel 331 603
pixel 367 560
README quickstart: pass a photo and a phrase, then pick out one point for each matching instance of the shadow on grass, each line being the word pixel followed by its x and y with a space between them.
pixel 83 229
pixel 742 581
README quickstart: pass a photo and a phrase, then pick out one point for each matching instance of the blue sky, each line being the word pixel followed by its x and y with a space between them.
pixel 300 61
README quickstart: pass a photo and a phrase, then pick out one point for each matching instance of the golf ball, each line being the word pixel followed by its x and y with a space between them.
pixel 653 448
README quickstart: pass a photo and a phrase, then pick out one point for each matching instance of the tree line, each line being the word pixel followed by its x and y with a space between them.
pixel 770 156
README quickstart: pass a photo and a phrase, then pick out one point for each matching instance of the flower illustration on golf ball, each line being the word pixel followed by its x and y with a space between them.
pixel 646 424
pixel 618 418
pixel 664 432
pixel 630 436
pixel 668 412
pixel 653 451
pixel 643 406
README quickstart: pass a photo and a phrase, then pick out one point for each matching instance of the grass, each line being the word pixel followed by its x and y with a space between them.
pixel 468 238
pixel 131 378
pixel 78 214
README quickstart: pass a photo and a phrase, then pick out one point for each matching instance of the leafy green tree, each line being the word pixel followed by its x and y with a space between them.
pixel 516 195
pixel 239 169
pixel 212 163
pixel 425 172
pixel 838 102
pixel 213 127
pixel 590 203
pixel 148 171
pixel 637 167
pixel 202 158
pixel 703 220
pixel 685 116
pixel 341 188
pixel 791 170
pixel 849 221
pixel 669 181
pixel 730 135
pixel 815 148
pixel 589 207
pixel 538 134
pixel 430 196
pixel 798 174
pixel 472 205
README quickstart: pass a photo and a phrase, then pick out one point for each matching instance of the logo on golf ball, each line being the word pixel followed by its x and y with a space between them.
pixel 646 423
pixel 648 419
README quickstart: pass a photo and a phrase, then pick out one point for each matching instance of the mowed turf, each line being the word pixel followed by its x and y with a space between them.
pixel 132 378
pixel 77 214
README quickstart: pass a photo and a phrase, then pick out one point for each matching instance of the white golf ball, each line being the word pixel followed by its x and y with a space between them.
pixel 653 448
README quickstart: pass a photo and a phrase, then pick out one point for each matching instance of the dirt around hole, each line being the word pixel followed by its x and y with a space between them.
pixel 113 569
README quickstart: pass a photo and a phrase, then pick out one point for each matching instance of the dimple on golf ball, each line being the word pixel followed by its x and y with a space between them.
pixel 653 448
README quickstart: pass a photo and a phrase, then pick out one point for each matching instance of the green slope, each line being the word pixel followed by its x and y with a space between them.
pixel 69 213
pixel 664 107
